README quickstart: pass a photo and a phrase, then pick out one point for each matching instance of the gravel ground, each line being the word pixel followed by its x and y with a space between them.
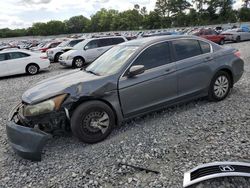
pixel 171 141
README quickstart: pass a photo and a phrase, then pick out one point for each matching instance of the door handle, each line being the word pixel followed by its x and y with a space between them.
pixel 209 58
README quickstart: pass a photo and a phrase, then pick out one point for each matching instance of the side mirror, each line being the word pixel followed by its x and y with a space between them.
pixel 136 70
pixel 86 47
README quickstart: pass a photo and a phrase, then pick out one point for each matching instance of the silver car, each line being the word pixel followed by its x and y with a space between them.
pixel 130 79
pixel 236 35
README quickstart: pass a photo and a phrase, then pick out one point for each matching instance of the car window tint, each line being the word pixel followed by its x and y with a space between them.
pixel 106 42
pixel 17 55
pixel 2 57
pixel 53 45
pixel 92 44
pixel 154 56
pixel 205 47
pixel 186 48
pixel 74 42
pixel 118 40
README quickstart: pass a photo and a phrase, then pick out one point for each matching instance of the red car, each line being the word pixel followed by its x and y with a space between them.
pixel 49 45
pixel 210 34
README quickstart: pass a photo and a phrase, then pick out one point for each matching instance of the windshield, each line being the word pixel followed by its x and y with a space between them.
pixel 78 46
pixel 63 44
pixel 111 61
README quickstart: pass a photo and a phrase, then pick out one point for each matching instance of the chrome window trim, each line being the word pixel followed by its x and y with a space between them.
pixel 187 175
pixel 168 40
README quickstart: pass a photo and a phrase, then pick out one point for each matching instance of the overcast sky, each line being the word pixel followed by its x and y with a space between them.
pixel 22 13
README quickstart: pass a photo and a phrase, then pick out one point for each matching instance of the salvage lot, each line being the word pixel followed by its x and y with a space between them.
pixel 171 141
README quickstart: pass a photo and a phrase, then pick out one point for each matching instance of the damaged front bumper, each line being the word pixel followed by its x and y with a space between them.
pixel 27 142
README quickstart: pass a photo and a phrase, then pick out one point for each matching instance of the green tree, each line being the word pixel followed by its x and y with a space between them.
pixel 77 24
pixel 244 14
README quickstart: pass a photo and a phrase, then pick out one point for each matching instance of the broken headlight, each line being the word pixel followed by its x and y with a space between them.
pixel 44 107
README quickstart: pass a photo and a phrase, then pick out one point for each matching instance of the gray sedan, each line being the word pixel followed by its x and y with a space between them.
pixel 129 80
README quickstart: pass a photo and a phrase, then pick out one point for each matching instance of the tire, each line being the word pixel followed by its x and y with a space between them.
pixel 238 39
pixel 220 86
pixel 88 113
pixel 222 42
pixel 78 62
pixel 32 69
pixel 56 58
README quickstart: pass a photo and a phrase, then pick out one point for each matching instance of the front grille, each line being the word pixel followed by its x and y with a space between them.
pixel 215 170
pixel 206 171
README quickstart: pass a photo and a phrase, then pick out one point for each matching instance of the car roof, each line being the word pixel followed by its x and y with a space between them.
pixel 150 40
pixel 15 50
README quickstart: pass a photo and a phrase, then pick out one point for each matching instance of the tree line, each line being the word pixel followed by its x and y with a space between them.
pixel 167 13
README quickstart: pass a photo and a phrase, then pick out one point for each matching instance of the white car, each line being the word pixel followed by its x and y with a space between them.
pixel 54 53
pixel 21 61
pixel 236 35
pixel 87 51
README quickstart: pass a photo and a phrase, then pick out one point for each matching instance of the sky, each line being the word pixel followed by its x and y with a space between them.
pixel 22 13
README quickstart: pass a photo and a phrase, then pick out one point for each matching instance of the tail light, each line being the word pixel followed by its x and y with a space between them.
pixel 44 57
pixel 238 54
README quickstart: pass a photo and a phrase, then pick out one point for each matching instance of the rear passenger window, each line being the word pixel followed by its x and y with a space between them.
pixel 2 57
pixel 154 56
pixel 118 40
pixel 186 48
pixel 17 55
pixel 205 47
pixel 106 42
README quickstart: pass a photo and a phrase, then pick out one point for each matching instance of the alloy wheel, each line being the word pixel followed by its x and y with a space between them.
pixel 221 86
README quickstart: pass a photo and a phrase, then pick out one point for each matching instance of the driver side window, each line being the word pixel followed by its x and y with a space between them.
pixel 154 56
pixel 92 44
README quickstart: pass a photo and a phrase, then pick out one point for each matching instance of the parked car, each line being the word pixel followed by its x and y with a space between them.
pixel 210 34
pixel 48 46
pixel 87 51
pixel 54 53
pixel 21 61
pixel 130 79
pixel 236 35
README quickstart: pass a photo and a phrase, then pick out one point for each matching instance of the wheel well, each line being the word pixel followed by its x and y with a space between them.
pixel 79 102
pixel 230 74
pixel 79 57
pixel 31 64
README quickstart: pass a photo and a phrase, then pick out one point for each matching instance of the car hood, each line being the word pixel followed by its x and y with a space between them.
pixel 76 83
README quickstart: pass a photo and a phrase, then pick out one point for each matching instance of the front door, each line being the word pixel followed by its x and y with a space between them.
pixel 157 85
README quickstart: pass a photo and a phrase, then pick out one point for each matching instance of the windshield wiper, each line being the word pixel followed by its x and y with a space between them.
pixel 91 72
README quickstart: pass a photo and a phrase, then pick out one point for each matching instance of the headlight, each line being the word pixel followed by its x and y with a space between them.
pixel 44 107
pixel 70 57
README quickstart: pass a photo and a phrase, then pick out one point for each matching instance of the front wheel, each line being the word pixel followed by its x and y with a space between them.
pixel 56 59
pixel 78 62
pixel 220 86
pixel 92 121
pixel 222 42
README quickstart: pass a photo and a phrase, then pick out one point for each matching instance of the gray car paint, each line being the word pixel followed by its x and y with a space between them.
pixel 155 88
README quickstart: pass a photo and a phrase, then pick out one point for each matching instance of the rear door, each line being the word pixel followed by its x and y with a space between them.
pixel 192 62
pixel 17 62
pixel 4 69
pixel 155 87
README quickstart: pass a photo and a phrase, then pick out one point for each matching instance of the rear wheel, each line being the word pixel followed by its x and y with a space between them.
pixel 78 62
pixel 32 69
pixel 92 121
pixel 220 86
pixel 238 39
